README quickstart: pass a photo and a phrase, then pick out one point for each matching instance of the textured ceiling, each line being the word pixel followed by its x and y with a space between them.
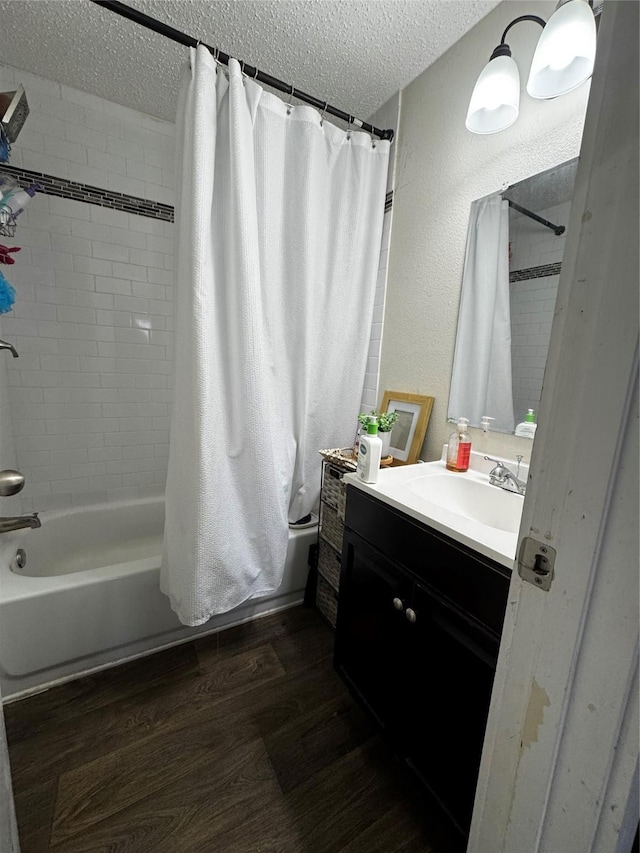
pixel 353 53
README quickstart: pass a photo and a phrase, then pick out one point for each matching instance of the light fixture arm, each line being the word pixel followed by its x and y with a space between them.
pixel 515 21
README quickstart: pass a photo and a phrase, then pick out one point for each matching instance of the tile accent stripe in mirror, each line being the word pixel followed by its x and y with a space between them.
pixel 535 272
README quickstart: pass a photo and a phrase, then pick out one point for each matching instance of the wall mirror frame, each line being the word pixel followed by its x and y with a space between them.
pixel 515 244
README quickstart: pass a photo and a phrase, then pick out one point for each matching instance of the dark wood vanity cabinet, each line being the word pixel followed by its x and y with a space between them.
pixel 418 629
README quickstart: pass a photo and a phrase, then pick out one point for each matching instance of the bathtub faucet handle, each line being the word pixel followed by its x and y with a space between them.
pixel 11 482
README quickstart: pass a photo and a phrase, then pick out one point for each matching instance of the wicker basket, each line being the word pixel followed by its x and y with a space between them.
pixel 331 527
pixel 326 601
pixel 329 564
pixel 334 491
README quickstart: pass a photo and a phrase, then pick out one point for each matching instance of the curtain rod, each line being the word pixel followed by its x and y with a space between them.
pixel 559 229
pixel 182 38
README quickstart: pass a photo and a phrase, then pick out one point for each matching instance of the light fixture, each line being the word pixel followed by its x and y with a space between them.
pixel 495 100
pixel 563 60
pixel 565 52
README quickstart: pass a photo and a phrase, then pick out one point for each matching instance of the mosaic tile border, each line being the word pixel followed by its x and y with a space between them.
pixel 535 272
pixel 64 188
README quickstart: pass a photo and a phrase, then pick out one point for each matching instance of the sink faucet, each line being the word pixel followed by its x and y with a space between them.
pixel 504 478
pixel 17 522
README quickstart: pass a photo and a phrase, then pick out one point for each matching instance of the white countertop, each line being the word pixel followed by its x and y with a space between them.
pixel 392 488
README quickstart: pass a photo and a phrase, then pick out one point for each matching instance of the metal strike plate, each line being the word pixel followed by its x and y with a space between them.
pixel 535 562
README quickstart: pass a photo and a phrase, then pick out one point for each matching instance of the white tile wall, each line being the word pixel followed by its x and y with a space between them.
pixel 532 302
pixel 93 319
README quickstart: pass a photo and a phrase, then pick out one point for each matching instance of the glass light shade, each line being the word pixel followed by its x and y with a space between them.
pixel 565 53
pixel 495 100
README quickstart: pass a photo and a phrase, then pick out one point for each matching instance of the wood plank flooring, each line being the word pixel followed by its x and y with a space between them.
pixel 246 741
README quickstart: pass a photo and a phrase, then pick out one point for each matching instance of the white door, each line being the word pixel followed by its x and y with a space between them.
pixel 559 768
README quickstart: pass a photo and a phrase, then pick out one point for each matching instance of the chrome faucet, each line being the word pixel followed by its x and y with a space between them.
pixel 12 482
pixel 18 522
pixel 10 347
pixel 504 478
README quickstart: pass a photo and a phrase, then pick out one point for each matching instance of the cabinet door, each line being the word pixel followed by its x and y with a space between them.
pixel 453 663
pixel 371 635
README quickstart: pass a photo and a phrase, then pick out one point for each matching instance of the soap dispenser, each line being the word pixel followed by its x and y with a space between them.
pixel 527 429
pixel 459 448
pixel 369 453
pixel 485 423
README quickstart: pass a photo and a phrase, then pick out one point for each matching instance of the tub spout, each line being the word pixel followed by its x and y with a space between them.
pixel 17 522
pixel 10 347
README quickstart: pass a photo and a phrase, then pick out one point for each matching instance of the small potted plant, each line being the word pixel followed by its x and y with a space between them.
pixel 386 420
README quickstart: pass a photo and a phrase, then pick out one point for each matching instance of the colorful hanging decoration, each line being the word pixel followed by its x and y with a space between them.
pixel 7 295
pixel 6 252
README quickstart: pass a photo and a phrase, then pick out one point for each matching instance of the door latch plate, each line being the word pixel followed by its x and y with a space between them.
pixel 536 561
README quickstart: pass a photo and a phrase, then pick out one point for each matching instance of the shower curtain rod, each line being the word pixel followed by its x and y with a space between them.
pixel 171 33
pixel 559 229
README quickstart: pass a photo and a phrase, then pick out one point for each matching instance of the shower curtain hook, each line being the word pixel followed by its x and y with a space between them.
pixel 349 125
pixel 289 104
pixel 324 109
pixel 216 54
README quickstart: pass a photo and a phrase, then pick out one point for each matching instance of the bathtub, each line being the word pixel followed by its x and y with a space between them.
pixel 89 597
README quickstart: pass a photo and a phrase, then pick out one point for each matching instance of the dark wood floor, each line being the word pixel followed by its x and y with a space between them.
pixel 242 742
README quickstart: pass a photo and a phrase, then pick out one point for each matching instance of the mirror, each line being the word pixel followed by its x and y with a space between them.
pixel 515 246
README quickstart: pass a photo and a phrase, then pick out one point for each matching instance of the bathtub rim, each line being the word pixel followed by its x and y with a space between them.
pixel 17 587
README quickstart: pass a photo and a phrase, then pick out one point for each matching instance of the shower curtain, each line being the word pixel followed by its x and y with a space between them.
pixel 279 224
pixel 481 382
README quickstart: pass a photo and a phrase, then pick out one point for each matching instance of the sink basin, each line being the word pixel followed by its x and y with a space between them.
pixel 479 501
pixel 464 507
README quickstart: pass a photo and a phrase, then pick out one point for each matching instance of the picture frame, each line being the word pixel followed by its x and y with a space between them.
pixel 407 435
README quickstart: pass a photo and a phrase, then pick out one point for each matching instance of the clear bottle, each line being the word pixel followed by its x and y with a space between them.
pixel 459 448
pixel 369 454
pixel 527 429
pixel 14 203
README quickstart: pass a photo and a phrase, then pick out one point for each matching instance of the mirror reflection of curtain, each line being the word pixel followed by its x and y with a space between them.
pixel 481 381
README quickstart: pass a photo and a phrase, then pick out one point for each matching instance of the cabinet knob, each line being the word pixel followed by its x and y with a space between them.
pixel 398 604
pixel 410 614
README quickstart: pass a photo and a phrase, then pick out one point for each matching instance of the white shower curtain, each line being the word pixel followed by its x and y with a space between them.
pixel 279 224
pixel 481 382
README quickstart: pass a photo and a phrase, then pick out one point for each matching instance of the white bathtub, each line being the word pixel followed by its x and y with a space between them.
pixel 89 593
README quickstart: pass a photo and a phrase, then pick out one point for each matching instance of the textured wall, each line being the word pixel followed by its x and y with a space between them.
pixel 441 170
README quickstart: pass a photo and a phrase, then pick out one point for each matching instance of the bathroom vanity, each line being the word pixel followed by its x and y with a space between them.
pixel 419 622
